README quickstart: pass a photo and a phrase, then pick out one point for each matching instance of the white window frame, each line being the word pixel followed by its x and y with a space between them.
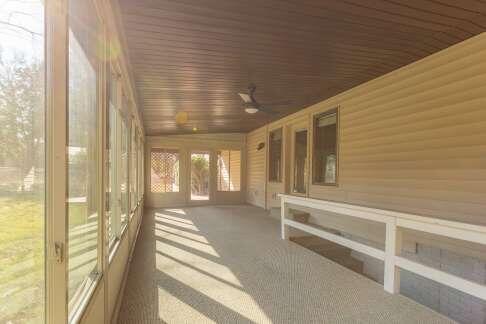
pixel 122 227
pixel 56 115
pixel 133 168
pixel 56 160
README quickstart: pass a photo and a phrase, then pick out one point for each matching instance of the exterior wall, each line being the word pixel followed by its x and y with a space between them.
pixel 185 144
pixel 412 140
pixel 235 172
pixel 256 173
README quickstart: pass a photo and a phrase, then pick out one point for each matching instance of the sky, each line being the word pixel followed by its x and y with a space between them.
pixel 26 39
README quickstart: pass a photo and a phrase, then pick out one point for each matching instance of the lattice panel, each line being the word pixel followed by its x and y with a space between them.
pixel 164 171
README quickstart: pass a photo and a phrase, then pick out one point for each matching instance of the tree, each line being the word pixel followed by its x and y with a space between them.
pixel 200 174
pixel 21 114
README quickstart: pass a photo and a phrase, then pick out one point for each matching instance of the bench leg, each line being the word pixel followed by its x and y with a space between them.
pixel 284 213
pixel 393 247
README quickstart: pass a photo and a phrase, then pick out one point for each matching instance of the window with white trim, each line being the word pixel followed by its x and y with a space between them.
pixel 124 166
pixel 325 153
pixel 133 166
pixel 82 151
pixel 275 156
pixel 112 214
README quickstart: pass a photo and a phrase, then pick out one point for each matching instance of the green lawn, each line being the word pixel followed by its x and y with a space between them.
pixel 22 259
pixel 22 256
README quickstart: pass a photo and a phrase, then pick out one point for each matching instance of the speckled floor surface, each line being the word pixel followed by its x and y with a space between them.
pixel 228 265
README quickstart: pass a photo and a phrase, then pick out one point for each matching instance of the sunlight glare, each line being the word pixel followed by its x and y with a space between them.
pixel 182 220
pixel 176 223
pixel 201 247
pixel 196 261
pixel 235 299
pixel 164 230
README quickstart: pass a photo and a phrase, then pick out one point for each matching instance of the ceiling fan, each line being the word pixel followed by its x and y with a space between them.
pixel 252 106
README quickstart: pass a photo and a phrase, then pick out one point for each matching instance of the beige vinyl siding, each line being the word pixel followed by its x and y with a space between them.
pixel 414 140
pixel 235 170
pixel 256 168
pixel 229 170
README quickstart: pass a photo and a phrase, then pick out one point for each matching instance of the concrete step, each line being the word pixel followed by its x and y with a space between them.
pixel 301 217
pixel 313 241
pixel 331 251
pixel 323 247
pixel 350 263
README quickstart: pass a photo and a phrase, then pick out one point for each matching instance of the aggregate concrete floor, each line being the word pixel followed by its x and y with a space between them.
pixel 226 264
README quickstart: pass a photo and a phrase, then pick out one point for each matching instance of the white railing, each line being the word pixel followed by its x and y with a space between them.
pixel 395 222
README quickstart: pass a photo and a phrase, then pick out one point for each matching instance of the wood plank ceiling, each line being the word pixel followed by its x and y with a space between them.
pixel 193 56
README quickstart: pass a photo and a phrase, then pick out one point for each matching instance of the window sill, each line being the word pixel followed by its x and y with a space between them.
pixel 85 296
pixel 117 242
pixel 299 194
pixel 123 229
pixel 113 249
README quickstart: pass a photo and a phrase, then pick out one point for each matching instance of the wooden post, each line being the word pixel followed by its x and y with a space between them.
pixel 284 212
pixel 393 246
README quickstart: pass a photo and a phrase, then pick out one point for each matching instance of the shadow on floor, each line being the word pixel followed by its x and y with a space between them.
pixel 227 264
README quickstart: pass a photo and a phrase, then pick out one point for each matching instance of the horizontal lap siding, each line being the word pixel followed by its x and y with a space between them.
pixel 416 140
pixel 256 168
pixel 413 140
pixel 235 169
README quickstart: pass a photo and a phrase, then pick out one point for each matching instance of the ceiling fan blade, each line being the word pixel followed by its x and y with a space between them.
pixel 246 98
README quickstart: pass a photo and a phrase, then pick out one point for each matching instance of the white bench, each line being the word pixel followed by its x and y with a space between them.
pixel 395 222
